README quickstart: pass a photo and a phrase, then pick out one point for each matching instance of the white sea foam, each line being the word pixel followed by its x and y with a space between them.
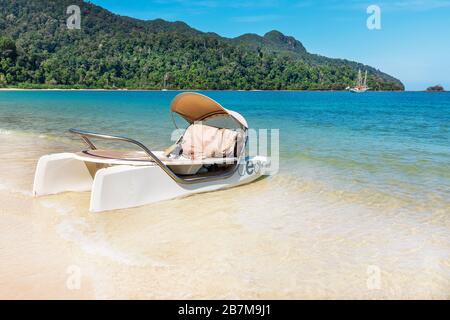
pixel 4 186
pixel 6 132
pixel 77 230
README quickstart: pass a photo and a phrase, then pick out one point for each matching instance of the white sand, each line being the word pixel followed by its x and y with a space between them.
pixel 227 244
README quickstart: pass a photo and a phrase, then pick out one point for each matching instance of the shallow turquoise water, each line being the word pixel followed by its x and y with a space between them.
pixel 364 182
pixel 393 144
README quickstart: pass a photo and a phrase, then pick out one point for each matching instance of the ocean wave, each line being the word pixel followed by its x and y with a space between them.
pixel 6 132
pixel 92 239
pixel 4 186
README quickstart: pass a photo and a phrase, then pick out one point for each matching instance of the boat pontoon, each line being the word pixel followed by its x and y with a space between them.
pixel 209 156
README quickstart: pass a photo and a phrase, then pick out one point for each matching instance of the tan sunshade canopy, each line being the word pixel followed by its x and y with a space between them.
pixel 197 107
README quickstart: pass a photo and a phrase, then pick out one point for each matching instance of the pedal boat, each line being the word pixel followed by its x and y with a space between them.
pixel 122 179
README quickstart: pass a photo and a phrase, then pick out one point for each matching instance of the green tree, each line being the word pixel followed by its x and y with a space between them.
pixel 8 48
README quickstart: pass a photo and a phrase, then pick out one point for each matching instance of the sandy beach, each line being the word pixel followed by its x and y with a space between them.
pixel 207 246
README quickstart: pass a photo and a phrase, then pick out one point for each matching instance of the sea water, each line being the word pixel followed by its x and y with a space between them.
pixel 363 190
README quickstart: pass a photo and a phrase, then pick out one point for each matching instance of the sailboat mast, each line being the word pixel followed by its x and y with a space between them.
pixel 359 78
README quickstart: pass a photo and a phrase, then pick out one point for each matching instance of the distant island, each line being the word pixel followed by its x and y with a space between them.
pixel 437 88
pixel 37 50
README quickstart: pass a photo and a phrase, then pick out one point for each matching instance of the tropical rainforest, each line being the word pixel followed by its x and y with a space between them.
pixel 38 50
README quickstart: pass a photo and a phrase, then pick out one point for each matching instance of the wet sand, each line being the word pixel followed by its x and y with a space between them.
pixel 276 238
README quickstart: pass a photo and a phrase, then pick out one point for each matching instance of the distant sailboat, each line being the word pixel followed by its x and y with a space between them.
pixel 361 85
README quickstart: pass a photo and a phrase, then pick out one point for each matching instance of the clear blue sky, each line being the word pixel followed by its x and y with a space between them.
pixel 412 45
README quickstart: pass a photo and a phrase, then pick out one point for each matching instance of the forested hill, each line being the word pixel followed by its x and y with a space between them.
pixel 111 51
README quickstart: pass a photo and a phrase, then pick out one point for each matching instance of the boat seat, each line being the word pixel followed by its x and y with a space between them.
pixel 201 145
pixel 139 158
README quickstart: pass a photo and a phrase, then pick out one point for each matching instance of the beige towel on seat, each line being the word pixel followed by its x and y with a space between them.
pixel 203 141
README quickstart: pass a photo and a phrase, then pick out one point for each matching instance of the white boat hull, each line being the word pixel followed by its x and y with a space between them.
pixel 125 186
pixel 355 90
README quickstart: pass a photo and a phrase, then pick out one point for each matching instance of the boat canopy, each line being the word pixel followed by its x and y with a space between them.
pixel 194 107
